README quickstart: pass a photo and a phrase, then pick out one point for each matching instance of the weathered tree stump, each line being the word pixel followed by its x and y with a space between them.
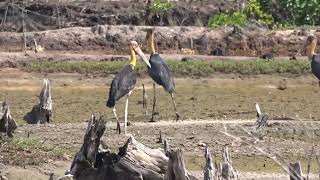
pixel 7 123
pixel 226 168
pixel 176 166
pixel 42 112
pixel 134 161
pixel 295 171
pixel 210 171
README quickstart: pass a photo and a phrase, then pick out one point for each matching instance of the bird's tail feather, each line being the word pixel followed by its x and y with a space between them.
pixel 111 103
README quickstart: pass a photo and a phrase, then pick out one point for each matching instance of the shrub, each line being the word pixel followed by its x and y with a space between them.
pixel 236 18
pixel 294 12
pixel 252 11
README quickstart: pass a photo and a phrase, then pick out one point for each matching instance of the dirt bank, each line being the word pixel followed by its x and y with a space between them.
pixel 230 41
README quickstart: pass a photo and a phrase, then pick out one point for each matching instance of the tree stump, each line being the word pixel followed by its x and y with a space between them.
pixel 210 171
pixel 176 166
pixel 7 123
pixel 134 161
pixel 295 171
pixel 226 168
pixel 41 112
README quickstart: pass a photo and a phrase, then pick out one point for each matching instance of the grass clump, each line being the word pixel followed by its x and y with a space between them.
pixel 197 68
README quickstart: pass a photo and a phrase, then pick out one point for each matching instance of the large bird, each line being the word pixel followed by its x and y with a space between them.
pixel 310 46
pixel 160 73
pixel 124 83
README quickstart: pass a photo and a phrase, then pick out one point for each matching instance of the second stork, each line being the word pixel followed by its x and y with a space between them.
pixel 160 73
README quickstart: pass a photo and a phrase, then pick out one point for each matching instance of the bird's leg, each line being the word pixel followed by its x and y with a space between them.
pixel 118 124
pixel 175 108
pixel 154 102
pixel 144 100
pixel 126 113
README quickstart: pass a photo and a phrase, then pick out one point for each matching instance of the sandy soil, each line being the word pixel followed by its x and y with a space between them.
pixel 207 105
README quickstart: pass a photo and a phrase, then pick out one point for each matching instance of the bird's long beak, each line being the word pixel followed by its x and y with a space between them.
pixel 141 54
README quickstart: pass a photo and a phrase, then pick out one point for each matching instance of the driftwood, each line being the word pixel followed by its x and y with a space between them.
pixel 262 117
pixel 134 161
pixel 7 123
pixel 42 112
pixel 295 171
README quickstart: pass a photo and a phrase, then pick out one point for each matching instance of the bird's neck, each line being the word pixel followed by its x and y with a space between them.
pixel 311 50
pixel 133 58
pixel 151 43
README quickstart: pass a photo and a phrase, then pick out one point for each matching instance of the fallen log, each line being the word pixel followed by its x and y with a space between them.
pixel 41 112
pixel 7 123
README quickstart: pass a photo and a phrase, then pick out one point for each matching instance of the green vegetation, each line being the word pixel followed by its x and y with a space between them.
pixel 251 11
pixel 159 6
pixel 27 152
pixel 293 12
pixel 180 68
pixel 235 18
pixel 277 13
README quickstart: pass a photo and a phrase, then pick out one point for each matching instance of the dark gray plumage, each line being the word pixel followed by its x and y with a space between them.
pixel 121 85
pixel 315 65
pixel 160 73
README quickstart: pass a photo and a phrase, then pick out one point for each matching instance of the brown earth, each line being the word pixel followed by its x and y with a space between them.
pixel 207 105
pixel 228 41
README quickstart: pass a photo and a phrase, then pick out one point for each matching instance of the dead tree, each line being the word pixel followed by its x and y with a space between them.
pixel 176 166
pixel 262 117
pixel 7 123
pixel 226 168
pixel 295 171
pixel 42 112
pixel 134 161
pixel 210 172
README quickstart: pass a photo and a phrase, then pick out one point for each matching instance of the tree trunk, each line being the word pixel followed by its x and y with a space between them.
pixel 42 112
pixel 7 123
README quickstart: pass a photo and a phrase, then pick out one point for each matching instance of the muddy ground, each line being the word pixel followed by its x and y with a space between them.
pixel 206 105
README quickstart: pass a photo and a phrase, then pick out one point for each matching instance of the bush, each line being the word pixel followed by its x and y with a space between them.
pixel 294 12
pixel 159 6
pixel 236 18
pixel 252 11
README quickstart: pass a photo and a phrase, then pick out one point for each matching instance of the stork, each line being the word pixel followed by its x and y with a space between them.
pixel 124 82
pixel 160 73
pixel 310 46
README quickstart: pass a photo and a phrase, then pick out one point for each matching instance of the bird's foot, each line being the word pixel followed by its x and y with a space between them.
pixel 178 117
pixel 118 128
pixel 152 119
